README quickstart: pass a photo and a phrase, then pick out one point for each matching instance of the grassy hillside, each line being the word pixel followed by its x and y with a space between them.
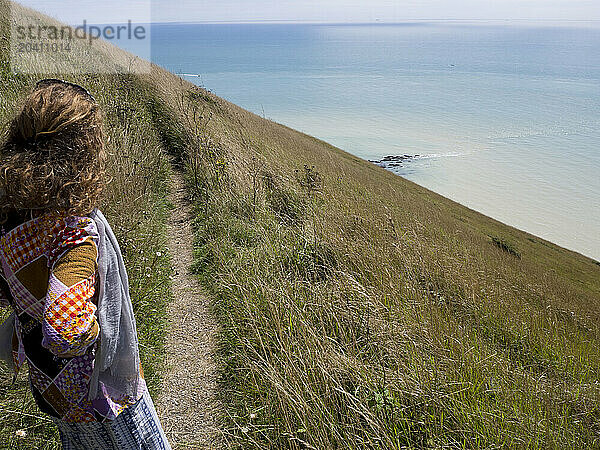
pixel 358 310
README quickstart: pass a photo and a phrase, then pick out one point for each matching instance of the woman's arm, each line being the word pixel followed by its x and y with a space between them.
pixel 69 323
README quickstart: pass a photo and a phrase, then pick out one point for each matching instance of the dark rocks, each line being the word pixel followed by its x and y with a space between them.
pixel 393 161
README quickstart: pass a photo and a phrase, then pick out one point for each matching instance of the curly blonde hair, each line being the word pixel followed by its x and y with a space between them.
pixel 52 156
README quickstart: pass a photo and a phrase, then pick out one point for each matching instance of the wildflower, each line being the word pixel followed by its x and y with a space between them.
pixel 21 434
pixel 245 429
pixel 159 254
pixel 252 415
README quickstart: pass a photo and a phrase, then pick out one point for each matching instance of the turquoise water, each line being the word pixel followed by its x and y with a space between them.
pixel 506 118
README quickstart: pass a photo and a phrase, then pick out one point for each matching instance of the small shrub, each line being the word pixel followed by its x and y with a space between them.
pixel 199 95
pixel 285 204
pixel 309 179
pixel 506 246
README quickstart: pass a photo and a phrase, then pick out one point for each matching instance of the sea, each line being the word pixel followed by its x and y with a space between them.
pixel 501 117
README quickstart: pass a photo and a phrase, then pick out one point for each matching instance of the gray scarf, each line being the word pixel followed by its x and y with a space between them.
pixel 117 355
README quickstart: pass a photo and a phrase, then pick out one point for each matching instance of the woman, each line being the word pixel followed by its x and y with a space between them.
pixel 64 279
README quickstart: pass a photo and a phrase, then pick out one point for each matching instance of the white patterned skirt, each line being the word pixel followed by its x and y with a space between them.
pixel 136 428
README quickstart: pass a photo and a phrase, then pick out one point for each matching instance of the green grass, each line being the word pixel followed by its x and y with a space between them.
pixel 357 309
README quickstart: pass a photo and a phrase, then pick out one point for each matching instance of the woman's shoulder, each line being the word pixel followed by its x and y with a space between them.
pixel 73 231
pixel 24 238
pixel 58 227
pixel 80 223
pixel 77 227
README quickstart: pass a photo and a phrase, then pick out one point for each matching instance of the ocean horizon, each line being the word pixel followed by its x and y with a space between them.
pixel 505 119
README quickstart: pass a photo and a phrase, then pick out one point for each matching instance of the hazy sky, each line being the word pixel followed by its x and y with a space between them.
pixel 111 11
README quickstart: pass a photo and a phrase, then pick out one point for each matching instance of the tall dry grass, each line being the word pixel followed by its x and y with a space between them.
pixel 362 311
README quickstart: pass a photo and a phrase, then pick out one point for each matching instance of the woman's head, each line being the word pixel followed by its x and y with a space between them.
pixel 52 157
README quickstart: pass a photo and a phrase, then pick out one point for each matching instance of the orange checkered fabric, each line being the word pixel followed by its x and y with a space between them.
pixel 57 334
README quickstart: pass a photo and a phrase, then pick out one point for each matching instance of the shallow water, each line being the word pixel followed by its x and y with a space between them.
pixel 506 118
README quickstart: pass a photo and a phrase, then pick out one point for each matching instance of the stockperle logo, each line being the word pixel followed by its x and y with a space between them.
pixel 56 39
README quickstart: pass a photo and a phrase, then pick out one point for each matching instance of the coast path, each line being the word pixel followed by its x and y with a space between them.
pixel 187 405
